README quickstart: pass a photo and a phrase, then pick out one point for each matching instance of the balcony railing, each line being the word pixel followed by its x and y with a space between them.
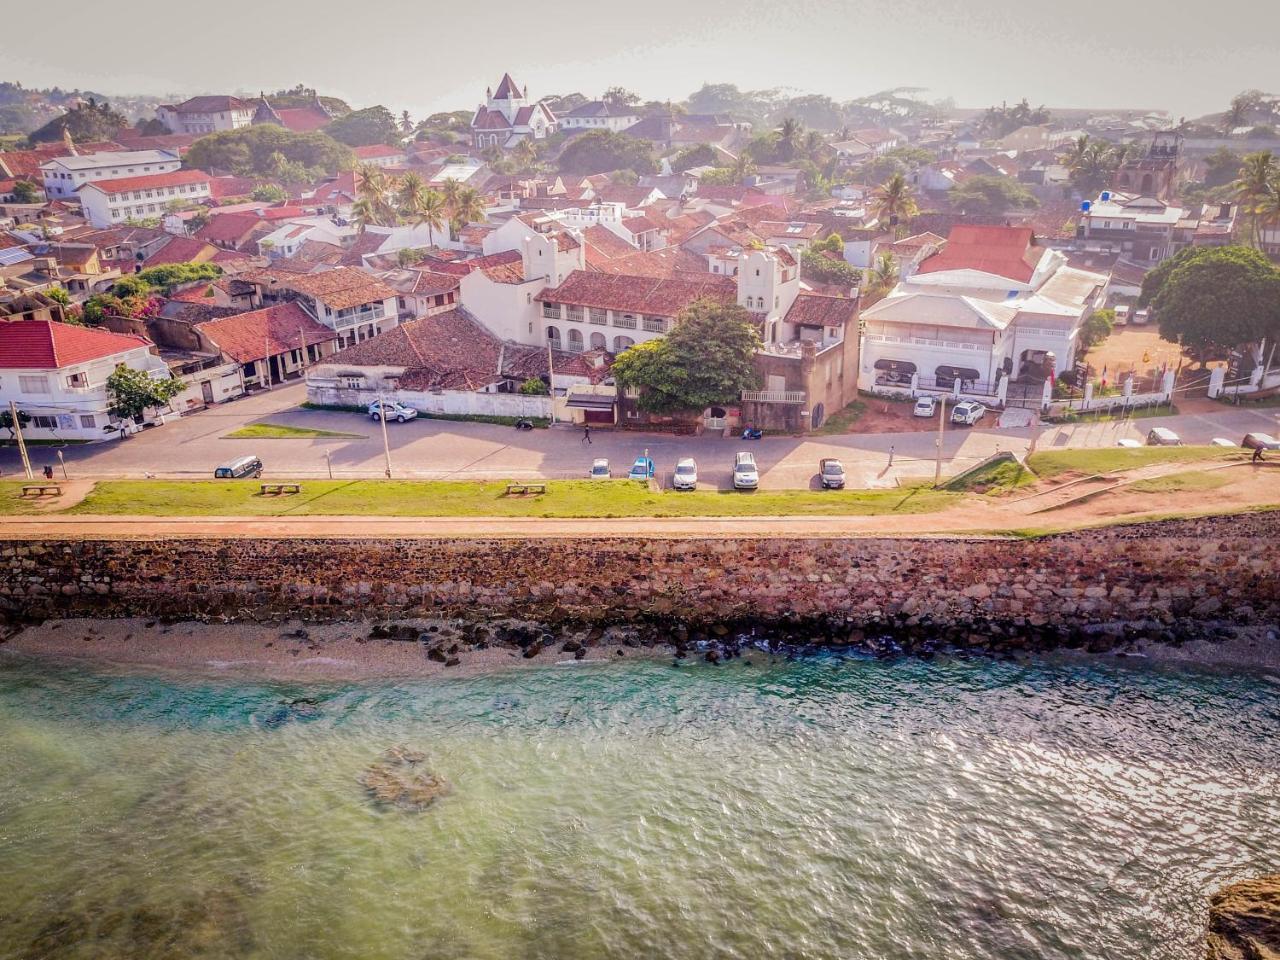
pixel 655 325
pixel 598 317
pixel 626 322
pixel 774 396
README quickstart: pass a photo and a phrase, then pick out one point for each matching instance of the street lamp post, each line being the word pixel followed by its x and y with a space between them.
pixel 62 462
pixel 386 444
pixel 942 421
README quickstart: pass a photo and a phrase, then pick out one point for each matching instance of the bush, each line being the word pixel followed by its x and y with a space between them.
pixel 534 387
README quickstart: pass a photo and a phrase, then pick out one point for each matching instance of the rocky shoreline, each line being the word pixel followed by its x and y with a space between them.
pixel 425 647
pixel 1244 921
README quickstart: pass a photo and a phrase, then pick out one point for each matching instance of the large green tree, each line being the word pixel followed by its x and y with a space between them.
pixel 602 151
pixel 990 196
pixel 130 392
pixel 92 120
pixel 362 128
pixel 1211 299
pixel 706 360
pixel 261 149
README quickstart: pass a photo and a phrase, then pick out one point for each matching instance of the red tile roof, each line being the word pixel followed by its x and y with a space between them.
pixel 220 187
pixel 1003 251
pixel 174 178
pixel 181 250
pixel 49 345
pixel 211 104
pixel 26 163
pixel 448 351
pixel 667 262
pixel 341 287
pixel 265 333
pixel 627 293
pixel 230 229
pixel 377 150
pixel 302 119
pixel 639 224
pixel 602 245
pixel 820 310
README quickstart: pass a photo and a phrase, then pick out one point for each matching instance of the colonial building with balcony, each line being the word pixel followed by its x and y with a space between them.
pixel 57 373
pixel 354 304
pixel 991 308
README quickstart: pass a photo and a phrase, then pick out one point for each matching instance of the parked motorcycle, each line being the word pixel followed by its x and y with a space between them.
pixel 752 433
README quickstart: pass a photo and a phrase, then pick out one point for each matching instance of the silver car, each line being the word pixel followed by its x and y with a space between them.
pixel 746 476
pixel 686 475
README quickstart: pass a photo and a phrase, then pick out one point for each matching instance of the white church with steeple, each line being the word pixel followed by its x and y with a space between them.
pixel 507 117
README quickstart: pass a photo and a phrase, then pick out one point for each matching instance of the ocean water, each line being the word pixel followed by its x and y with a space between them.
pixel 820 808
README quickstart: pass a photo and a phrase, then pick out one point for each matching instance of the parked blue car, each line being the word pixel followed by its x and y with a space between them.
pixel 642 469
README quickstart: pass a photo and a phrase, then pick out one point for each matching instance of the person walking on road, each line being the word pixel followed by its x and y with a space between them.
pixel 1257 453
pixel 586 433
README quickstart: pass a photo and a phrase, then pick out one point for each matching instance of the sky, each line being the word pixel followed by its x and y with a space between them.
pixel 429 55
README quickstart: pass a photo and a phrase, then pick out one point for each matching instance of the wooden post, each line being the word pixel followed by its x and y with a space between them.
pixel 22 444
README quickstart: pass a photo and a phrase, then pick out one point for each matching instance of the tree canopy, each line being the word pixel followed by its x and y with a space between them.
pixel 990 196
pixel 1214 298
pixel 257 151
pixel 363 128
pixel 130 392
pixel 602 150
pixel 706 360
pixel 1004 119
pixel 92 120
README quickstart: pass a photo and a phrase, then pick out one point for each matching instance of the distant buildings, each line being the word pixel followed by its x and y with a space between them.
pixel 63 176
pixel 110 202
pixel 508 116
pixel 206 114
pixel 598 115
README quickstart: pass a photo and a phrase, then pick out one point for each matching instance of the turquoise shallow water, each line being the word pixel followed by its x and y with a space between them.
pixel 823 808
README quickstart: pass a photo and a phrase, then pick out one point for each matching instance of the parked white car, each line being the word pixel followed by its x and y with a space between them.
pixel 600 469
pixel 746 476
pixel 1127 442
pixel 925 407
pixel 968 412
pixel 1163 437
pixel 686 475
pixel 391 410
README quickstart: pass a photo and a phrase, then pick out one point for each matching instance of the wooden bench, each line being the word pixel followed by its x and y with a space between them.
pixel 281 488
pixel 526 488
pixel 40 489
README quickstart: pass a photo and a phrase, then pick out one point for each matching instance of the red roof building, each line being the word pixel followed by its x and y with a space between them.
pixel 270 332
pixel 49 345
pixel 624 293
pixel 1003 251
pixel 155 181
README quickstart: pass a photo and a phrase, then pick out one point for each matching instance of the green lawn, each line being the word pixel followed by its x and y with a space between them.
pixel 11 500
pixel 564 498
pixel 994 479
pixel 1178 482
pixel 1095 416
pixel 842 421
pixel 282 431
pixel 1053 463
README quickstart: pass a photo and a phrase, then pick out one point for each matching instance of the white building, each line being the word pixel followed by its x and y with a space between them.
pixel 57 373
pixel 111 202
pixel 1143 229
pixel 206 114
pixel 508 116
pixel 598 115
pixel 64 175
pixel 990 306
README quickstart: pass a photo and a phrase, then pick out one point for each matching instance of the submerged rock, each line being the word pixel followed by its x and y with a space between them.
pixel 396 779
pixel 1244 921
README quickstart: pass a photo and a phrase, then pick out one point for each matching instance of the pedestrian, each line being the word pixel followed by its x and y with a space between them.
pixel 586 433
pixel 1257 453
pixel 48 472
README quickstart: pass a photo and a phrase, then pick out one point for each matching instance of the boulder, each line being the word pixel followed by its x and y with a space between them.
pixel 395 779
pixel 1244 921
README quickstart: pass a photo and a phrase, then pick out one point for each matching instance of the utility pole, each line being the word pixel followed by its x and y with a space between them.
pixel 386 444
pixel 551 378
pixel 22 444
pixel 942 421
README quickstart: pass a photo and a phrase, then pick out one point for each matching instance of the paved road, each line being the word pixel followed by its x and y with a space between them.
pixel 192 446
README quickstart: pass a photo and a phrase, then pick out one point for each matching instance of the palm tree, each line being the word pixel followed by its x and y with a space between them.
pixel 364 214
pixel 893 201
pixel 372 187
pixel 405 123
pixel 427 209
pixel 813 144
pixel 407 189
pixel 1257 176
pixel 789 136
pixel 450 189
pixel 1268 208
pixel 880 279
pixel 525 154
pixel 467 208
pixel 743 166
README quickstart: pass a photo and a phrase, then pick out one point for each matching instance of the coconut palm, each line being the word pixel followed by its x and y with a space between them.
pixel 525 154
pixel 450 190
pixel 813 144
pixel 467 208
pixel 743 166
pixel 406 124
pixel 1258 173
pixel 362 211
pixel 407 189
pixel 427 209
pixel 372 187
pixel 789 137
pixel 894 202
pixel 880 279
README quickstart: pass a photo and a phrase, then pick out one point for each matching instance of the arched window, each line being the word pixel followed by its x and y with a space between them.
pixel 1146 183
pixel 575 341
pixel 598 341
pixel 622 343
pixel 553 337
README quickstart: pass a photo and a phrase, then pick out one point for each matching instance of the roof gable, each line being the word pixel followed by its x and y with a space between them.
pixel 49 345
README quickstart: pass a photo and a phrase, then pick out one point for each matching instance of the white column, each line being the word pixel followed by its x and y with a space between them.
pixel 1217 376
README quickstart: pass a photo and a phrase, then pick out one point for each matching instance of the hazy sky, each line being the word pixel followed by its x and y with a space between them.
pixel 428 55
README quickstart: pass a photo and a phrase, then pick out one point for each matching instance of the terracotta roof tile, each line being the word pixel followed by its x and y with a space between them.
pixel 820 310
pixel 49 345
pixel 447 351
pixel 656 296
pixel 175 178
pixel 302 119
pixel 262 333
pixel 181 250
pixel 602 245
pixel 1003 251
pixel 341 287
